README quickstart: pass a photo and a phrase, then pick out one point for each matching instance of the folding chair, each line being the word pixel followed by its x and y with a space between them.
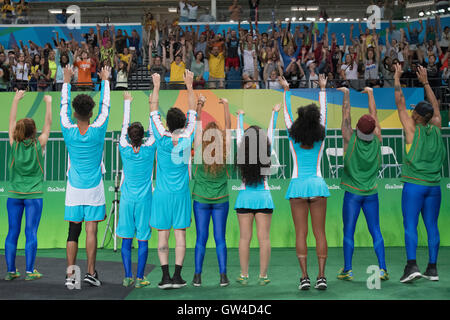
pixel 387 151
pixel 337 153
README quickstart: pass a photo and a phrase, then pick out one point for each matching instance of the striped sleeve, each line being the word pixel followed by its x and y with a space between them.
pixel 156 125
pixel 239 128
pixel 103 110
pixel 323 108
pixel 126 122
pixel 187 136
pixel 271 128
pixel 288 118
pixel 151 137
pixel 66 110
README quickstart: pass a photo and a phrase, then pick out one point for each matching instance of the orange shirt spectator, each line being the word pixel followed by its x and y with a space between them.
pixel 84 72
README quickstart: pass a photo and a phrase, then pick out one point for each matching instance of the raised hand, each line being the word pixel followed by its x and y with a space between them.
pixel 105 73
pixel 276 107
pixel 240 112
pixel 127 96
pixel 188 78
pixel 283 82
pixel 19 95
pixel 367 90
pixel 422 75
pixel 156 78
pixel 322 81
pixel 202 99
pixel 398 71
pixel 223 101
pixel 68 73
pixel 48 99
pixel 344 90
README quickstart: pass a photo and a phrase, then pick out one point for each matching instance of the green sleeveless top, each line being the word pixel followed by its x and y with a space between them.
pixel 26 171
pixel 208 188
pixel 362 161
pixel 423 162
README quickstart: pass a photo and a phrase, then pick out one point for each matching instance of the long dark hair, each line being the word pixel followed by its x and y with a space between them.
pixel 307 128
pixel 250 170
pixel 136 134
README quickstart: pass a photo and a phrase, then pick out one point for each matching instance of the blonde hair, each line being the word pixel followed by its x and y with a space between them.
pixel 25 129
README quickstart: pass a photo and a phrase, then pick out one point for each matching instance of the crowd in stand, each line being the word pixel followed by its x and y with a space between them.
pixel 241 57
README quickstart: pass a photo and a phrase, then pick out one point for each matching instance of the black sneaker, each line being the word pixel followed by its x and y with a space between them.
pixel 178 282
pixel 321 283
pixel 224 280
pixel 431 273
pixel 166 283
pixel 305 284
pixel 92 279
pixel 411 273
pixel 197 282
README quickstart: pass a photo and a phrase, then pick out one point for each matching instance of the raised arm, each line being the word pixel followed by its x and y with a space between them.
pixel 273 124
pixel 239 127
pixel 13 114
pixel 405 119
pixel 43 138
pixel 156 124
pixel 127 98
pixel 422 76
pixel 346 125
pixel 288 117
pixel 373 111
pixel 103 110
pixel 66 110
pixel 199 131
pixel 323 100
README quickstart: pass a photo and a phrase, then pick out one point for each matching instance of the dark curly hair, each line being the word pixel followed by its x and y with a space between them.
pixel 176 119
pixel 83 105
pixel 307 128
pixel 251 170
pixel 136 134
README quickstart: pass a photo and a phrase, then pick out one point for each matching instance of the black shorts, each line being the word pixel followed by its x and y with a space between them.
pixel 245 210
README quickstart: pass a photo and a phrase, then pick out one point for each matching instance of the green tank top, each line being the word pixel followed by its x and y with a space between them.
pixel 362 161
pixel 423 162
pixel 208 188
pixel 26 171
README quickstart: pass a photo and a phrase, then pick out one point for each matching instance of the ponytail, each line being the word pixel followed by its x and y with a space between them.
pixel 25 129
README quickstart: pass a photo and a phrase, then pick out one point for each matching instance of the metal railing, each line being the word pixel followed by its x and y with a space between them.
pixel 56 155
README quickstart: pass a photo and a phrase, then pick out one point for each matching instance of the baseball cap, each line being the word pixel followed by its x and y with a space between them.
pixel 423 108
pixel 365 127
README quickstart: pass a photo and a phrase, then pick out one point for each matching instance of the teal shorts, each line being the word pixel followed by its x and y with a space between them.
pixel 85 213
pixel 171 210
pixel 134 219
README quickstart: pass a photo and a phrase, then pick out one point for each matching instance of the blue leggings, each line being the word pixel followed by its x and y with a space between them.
pixel 202 214
pixel 350 212
pixel 426 199
pixel 33 211
pixel 126 257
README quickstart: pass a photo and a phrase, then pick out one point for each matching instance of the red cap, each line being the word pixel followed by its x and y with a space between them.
pixel 366 124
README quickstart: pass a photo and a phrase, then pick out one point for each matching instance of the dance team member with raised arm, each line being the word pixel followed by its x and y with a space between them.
pixel 135 193
pixel 307 190
pixel 172 205
pixel 421 174
pixel 254 201
pixel 85 194
pixel 25 188
pixel 210 189
pixel 362 160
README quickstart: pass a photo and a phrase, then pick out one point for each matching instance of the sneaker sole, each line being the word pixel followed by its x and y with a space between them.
pixel 321 287
pixel 165 286
pixel 178 286
pixel 431 278
pixel 304 288
pixel 94 284
pixel 197 284
pixel 224 284
pixel 345 278
pixel 412 277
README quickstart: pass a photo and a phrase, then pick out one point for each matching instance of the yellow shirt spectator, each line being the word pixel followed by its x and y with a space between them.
pixel 177 71
pixel 125 57
pixel 217 65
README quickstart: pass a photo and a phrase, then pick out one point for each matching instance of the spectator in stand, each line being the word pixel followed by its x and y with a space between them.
pixel 90 38
pixel 251 81
pixel 134 42
pixel 201 43
pixel 197 66
pixel 193 10
pixel 83 64
pixel 232 47
pixel 158 65
pixel 371 58
pixel 414 35
pixel 311 70
pixel 177 66
pixel 7 12
pixel 122 72
pixel 235 11
pixel 183 11
pixel 399 9
pixel 4 78
pixel 121 41
pixel 20 70
pixel 63 57
pixel 61 18
pixel 22 9
pixel 253 5
pixel 216 60
pixel 33 77
pixel 107 49
pixel 233 78
pixel 44 82
pixel 272 66
pixel 444 37
pixel 387 69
